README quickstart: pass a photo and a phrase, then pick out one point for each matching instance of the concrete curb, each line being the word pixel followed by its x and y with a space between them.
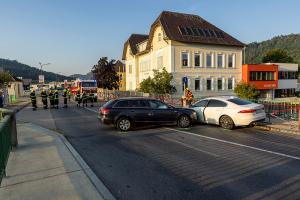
pixel 269 128
pixel 99 185
pixel 19 107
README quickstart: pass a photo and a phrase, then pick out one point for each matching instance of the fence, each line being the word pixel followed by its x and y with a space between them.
pixel 285 110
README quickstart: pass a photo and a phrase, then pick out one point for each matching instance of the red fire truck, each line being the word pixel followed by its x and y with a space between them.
pixel 88 86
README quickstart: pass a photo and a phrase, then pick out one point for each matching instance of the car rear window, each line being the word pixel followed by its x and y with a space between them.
pixel 108 104
pixel 238 101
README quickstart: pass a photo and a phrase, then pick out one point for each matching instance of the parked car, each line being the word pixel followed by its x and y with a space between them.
pixel 228 111
pixel 124 113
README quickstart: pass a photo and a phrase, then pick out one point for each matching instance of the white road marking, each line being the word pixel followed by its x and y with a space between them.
pixel 237 144
pixel 191 147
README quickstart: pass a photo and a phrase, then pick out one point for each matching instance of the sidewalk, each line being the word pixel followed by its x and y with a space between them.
pixel 280 125
pixel 43 167
pixel 21 103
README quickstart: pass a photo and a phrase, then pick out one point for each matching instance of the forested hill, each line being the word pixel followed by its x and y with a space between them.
pixel 25 71
pixel 291 43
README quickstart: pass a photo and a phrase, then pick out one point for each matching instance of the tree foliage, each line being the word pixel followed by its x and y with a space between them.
pixel 5 77
pixel 246 91
pixel 105 74
pixel 159 84
pixel 277 56
pixel 290 43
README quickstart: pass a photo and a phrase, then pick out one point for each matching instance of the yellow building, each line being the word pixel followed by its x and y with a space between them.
pixel 121 71
pixel 199 55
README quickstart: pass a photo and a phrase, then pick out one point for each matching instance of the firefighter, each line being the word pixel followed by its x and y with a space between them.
pixel 65 95
pixel 51 98
pixel 78 98
pixel 56 99
pixel 33 99
pixel 84 99
pixel 69 94
pixel 91 98
pixel 189 97
pixel 44 99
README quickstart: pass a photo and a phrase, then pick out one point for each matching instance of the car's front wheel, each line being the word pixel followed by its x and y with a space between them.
pixel 226 122
pixel 124 124
pixel 184 121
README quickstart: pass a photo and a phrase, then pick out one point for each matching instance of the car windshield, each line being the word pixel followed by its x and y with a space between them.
pixel 238 101
pixel 88 84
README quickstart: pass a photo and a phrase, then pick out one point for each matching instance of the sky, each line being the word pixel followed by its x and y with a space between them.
pixel 73 34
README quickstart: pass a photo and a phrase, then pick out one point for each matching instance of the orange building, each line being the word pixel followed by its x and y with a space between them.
pixel 263 76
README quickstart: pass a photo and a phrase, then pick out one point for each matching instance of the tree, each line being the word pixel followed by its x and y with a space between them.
pixel 5 77
pixel 246 91
pixel 159 84
pixel 277 56
pixel 105 74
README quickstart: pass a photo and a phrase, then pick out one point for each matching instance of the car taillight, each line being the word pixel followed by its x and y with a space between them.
pixel 104 111
pixel 248 111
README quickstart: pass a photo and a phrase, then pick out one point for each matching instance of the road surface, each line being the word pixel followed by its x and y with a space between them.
pixel 202 162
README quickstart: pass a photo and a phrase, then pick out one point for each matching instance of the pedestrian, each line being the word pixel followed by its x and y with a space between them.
pixel 1 99
pixel 65 95
pixel 84 99
pixel 44 98
pixel 56 99
pixel 33 100
pixel 78 98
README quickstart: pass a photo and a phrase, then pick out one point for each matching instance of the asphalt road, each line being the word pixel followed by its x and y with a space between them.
pixel 202 162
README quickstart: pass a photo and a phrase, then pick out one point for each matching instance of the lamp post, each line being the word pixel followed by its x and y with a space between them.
pixel 42 65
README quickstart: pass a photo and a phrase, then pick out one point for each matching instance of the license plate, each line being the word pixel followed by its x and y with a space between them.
pixel 259 111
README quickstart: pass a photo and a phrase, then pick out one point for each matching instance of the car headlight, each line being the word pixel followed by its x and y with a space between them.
pixel 194 115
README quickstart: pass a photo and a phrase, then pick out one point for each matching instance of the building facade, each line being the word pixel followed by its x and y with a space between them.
pixel 199 55
pixel 121 71
pixel 274 80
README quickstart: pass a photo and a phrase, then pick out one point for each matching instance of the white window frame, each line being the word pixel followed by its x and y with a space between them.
pixel 197 79
pixel 222 64
pixel 211 60
pixel 233 60
pixel 200 59
pixel 188 59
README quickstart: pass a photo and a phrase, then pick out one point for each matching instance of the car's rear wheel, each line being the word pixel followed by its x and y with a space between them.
pixel 226 122
pixel 184 121
pixel 124 124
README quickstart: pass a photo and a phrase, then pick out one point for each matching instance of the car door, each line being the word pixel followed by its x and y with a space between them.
pixel 199 108
pixel 162 113
pixel 140 111
pixel 213 110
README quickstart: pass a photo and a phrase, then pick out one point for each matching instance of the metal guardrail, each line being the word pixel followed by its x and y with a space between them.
pixel 8 139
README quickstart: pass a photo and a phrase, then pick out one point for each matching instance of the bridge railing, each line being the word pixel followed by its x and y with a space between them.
pixel 8 139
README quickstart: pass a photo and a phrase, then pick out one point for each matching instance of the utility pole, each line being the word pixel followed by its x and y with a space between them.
pixel 41 77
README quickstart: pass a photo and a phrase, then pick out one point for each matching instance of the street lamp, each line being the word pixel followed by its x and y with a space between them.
pixel 42 65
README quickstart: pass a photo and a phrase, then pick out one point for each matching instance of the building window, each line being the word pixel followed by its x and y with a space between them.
pixel 120 77
pixel 197 84
pixel 230 84
pixel 220 60
pixel 197 59
pixel 130 69
pixel 262 76
pixel 287 75
pixel 220 84
pixel 159 37
pixel 208 60
pixel 184 59
pixel 231 61
pixel 208 84
pixel 282 93
pixel 160 62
